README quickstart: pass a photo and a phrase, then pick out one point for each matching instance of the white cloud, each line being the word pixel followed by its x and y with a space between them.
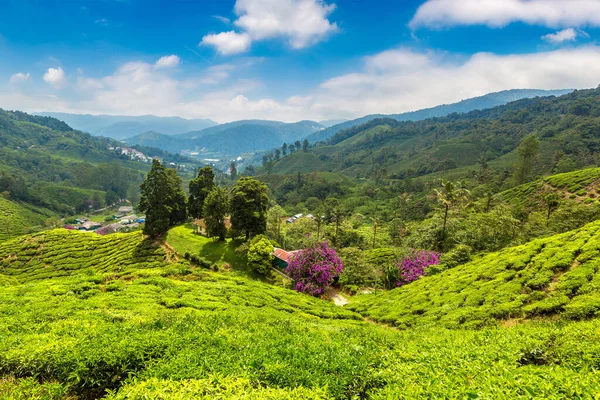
pixel 392 81
pixel 301 23
pixel 499 13
pixel 566 35
pixel 228 43
pixel 410 80
pixel 55 77
pixel 167 62
pixel 224 20
pixel 19 77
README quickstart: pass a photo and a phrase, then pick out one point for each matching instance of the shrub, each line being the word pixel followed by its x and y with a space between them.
pixel 357 272
pixel 315 268
pixel 413 267
pixel 259 255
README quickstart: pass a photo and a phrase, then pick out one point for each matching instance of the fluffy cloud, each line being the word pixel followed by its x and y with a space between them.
pixel 301 22
pixel 19 77
pixel 228 43
pixel 566 35
pixel 55 77
pixel 392 81
pixel 167 62
pixel 402 80
pixel 498 13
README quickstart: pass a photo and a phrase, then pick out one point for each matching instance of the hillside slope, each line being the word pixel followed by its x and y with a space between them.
pixel 556 276
pixel 44 162
pixel 179 332
pixel 477 103
pixel 565 126
pixel 18 218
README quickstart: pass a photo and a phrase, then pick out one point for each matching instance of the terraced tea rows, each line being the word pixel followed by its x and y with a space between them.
pixel 557 275
pixel 61 253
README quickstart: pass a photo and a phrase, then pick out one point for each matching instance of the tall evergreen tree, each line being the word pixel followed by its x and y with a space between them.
pixel 233 171
pixel 305 145
pixel 178 199
pixel 528 152
pixel 248 203
pixel 200 187
pixel 155 201
pixel 216 208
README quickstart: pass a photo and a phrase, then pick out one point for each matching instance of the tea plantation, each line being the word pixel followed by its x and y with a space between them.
pixel 121 322
pixel 17 218
pixel 556 276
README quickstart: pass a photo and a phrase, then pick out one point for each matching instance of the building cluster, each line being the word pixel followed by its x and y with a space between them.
pixel 133 154
pixel 296 217
pixel 124 221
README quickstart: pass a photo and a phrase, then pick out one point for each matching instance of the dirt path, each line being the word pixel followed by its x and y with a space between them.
pixel 338 298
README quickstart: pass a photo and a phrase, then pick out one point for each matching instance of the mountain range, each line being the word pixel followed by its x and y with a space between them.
pixel 120 126
pixel 476 103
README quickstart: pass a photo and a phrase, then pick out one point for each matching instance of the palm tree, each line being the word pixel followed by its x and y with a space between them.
pixel 449 195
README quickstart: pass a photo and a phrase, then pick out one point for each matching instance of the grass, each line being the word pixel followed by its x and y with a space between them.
pixel 577 186
pixel 24 218
pixel 171 331
pixel 557 276
pixel 184 240
pixel 60 252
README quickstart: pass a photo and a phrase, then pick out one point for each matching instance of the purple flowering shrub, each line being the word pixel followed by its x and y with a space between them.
pixel 413 267
pixel 314 269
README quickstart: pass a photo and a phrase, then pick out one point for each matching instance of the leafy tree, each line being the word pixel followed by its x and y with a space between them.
pixel 277 154
pixel 274 217
pixel 259 255
pixel 284 149
pixel 178 200
pixel 265 160
pixel 305 145
pixel 155 201
pixel 200 187
pixel 291 148
pixel 448 196
pixel 233 171
pixel 552 201
pixel 249 202
pixel 249 171
pixel 528 152
pixel 216 207
pixel 298 145
pixel 334 213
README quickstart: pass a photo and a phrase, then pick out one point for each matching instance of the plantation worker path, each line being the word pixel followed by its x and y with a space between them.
pixel 338 299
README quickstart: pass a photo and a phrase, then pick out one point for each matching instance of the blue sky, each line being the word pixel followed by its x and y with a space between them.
pixel 287 59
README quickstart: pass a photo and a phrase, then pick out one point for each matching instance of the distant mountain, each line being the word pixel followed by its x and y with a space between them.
pixel 331 122
pixel 235 138
pixel 120 126
pixel 477 103
pixel 168 143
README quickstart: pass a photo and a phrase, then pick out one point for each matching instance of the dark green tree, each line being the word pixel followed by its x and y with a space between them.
pixel 177 198
pixel 334 213
pixel 155 201
pixel 305 145
pixel 249 201
pixel 216 208
pixel 233 171
pixel 200 187
pixel 284 149
pixel 528 152
pixel 277 154
pixel 298 145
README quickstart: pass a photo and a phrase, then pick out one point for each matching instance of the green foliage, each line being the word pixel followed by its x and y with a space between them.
pixel 163 200
pixel 556 275
pixel 249 203
pixel 200 187
pixel 357 271
pixel 216 208
pixel 17 218
pixel 259 255
pixel 63 253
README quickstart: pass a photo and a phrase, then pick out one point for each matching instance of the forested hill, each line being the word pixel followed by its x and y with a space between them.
pixel 43 162
pixel 477 103
pixel 567 128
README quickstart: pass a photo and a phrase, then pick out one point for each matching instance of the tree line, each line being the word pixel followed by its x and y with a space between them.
pixel 165 204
